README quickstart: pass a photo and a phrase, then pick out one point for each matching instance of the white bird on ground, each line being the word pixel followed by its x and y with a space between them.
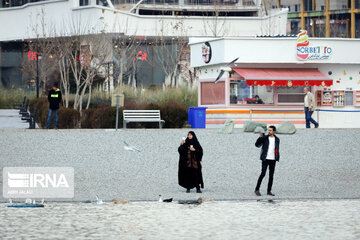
pixel 98 200
pixel 130 148
pixel 34 202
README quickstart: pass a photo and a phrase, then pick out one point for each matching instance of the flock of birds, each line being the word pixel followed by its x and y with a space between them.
pixel 99 201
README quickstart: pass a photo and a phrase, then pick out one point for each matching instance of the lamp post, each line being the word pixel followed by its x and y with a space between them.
pixel 38 57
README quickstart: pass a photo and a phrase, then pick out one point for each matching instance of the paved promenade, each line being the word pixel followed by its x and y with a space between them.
pixel 315 163
pixel 10 119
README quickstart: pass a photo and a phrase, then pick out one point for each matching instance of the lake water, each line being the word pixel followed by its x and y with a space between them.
pixel 278 219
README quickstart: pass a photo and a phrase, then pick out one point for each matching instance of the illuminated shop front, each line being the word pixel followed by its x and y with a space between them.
pixel 271 73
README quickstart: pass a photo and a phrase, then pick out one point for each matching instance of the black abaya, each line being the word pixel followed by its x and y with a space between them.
pixel 190 174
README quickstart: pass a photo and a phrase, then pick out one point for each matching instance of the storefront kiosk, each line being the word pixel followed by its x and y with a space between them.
pixel 267 80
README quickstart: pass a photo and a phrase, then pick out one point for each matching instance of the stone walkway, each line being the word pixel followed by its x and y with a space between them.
pixel 10 119
pixel 315 163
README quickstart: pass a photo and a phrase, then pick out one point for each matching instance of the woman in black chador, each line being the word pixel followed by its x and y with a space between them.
pixel 191 152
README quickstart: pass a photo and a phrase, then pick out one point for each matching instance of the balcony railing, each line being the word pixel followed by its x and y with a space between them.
pixel 16 3
pixel 189 2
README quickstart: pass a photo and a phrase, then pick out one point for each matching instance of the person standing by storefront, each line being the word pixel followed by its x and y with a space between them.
pixel 190 174
pixel 54 99
pixel 269 155
pixel 309 104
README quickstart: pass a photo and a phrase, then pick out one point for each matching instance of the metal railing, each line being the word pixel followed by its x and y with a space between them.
pixel 189 2
pixel 252 111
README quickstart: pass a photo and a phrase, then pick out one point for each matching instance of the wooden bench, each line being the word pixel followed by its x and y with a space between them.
pixel 142 116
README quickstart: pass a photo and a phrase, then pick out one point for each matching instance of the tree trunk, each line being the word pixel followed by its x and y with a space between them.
pixel 89 97
pixel 120 78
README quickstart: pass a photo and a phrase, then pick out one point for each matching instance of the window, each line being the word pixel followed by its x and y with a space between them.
pixel 102 3
pixel 84 2
pixel 241 93
pixel 292 95
pixel 265 94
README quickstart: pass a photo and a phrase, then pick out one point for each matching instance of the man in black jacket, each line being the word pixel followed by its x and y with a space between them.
pixel 54 99
pixel 269 155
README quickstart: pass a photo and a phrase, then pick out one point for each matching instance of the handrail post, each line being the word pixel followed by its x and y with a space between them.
pixel 250 114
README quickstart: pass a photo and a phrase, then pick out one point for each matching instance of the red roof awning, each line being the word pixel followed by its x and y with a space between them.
pixel 291 77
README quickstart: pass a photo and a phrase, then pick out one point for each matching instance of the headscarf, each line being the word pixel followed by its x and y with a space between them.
pixel 194 141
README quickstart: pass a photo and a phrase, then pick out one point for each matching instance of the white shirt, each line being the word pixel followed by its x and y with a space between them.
pixel 306 102
pixel 271 150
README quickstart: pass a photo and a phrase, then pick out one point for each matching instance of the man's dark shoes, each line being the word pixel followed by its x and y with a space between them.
pixel 198 190
pixel 257 193
pixel 317 126
pixel 188 190
pixel 270 194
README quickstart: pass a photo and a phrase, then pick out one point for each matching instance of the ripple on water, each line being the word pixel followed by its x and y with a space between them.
pixel 331 219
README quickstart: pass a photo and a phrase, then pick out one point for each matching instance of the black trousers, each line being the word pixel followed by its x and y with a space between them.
pixel 265 164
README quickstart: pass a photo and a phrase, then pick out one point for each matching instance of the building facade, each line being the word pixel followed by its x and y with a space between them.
pixel 32 20
pixel 323 18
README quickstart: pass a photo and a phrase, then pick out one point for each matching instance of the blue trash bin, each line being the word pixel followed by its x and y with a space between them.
pixel 197 117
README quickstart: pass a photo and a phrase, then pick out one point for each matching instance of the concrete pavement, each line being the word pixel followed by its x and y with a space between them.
pixel 315 163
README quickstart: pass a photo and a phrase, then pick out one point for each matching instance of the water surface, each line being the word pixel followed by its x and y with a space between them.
pixel 278 219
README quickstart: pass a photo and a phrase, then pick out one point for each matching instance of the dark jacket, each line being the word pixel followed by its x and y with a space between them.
pixel 54 98
pixel 264 143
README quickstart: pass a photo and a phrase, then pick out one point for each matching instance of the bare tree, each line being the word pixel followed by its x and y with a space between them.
pixel 62 45
pixel 127 49
pixel 270 24
pixel 86 55
pixel 40 55
pixel 214 23
pixel 171 54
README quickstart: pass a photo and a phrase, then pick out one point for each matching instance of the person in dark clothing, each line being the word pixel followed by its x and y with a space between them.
pixel 258 100
pixel 190 174
pixel 269 155
pixel 54 99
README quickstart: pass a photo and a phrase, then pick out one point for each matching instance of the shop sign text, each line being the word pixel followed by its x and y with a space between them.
pixel 305 51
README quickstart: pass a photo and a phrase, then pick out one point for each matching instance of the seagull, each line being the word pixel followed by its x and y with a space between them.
pixel 164 200
pixel 120 202
pixel 98 200
pixel 130 148
pixel 34 202
pixel 222 71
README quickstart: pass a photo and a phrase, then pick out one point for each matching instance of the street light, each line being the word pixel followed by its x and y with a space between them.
pixel 38 57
